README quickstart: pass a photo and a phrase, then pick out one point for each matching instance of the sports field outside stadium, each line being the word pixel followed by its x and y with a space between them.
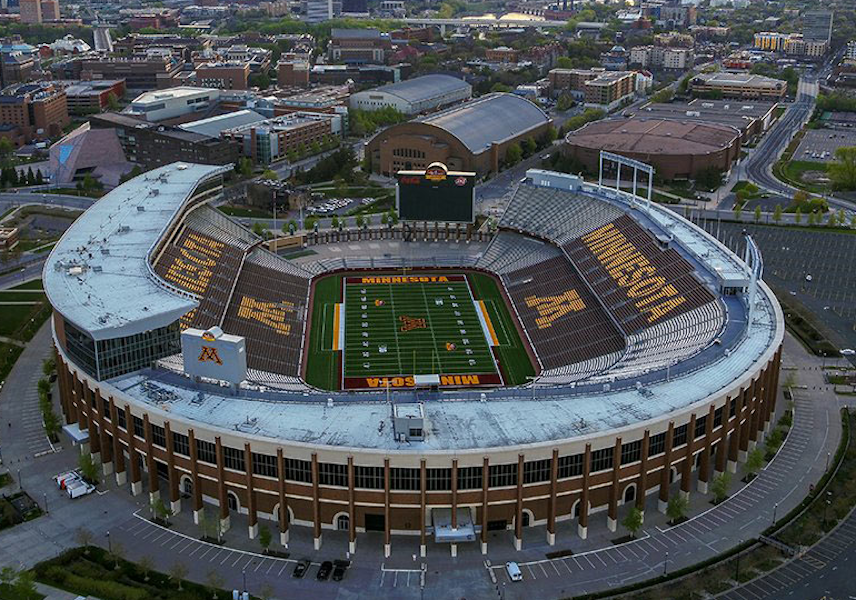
pixel 372 330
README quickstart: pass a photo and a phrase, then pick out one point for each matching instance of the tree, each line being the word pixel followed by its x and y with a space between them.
pixel 83 537
pixel 334 222
pixel 215 581
pixel 118 551
pixel 161 510
pixel 842 171
pixel 270 175
pixel 529 147
pixel 309 223
pixel 265 538
pixel 719 487
pixel 754 462
pixel 832 221
pixel 177 572
pixel 633 521
pixel 757 213
pixel 777 214
pixel 146 564
pixel 6 148
pixel 812 218
pixel 48 367
pixel 513 154
pixel 259 229
pixel 798 215
pixel 360 220
pixel 112 102
pixel 289 227
pixel 384 219
pixel 31 177
pixel 738 211
pixel 677 507
pixel 88 468
pixel 565 102
pixel 244 167
pixel 393 217
pixel 25 585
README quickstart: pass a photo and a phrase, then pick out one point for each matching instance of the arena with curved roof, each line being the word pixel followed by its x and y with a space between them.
pixel 471 137
pixel 677 149
pixel 656 351
pixel 414 96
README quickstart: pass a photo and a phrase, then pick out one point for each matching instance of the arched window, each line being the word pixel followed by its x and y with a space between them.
pixel 343 523
pixel 232 500
pixel 629 493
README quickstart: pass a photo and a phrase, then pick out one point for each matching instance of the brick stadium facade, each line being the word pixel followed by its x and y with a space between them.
pixel 165 468
pixel 571 478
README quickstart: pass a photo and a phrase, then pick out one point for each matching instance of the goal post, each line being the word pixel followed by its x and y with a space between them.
pixel 636 166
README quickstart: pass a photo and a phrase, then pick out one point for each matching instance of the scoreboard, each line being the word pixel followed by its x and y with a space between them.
pixel 436 194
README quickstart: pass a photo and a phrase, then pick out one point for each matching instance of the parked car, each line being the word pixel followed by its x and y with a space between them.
pixel 300 568
pixel 324 571
pixel 340 566
pixel 78 488
pixel 513 570
pixel 63 479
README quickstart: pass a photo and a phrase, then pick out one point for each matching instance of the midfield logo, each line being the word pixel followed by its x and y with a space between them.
pixel 411 323
pixel 209 354
pixel 551 308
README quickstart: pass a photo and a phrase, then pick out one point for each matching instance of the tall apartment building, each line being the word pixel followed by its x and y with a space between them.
pixel 570 79
pixel 610 89
pixel 38 11
pixel 850 53
pixel 662 57
pixel 50 10
pixel 817 25
pixel 32 111
pixel 794 44
pixel 771 41
pixel 317 11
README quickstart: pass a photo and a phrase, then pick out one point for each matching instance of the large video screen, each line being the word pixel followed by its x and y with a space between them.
pixel 436 194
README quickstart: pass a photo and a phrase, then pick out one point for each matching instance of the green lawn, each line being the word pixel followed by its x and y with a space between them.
pixel 792 171
pixel 20 321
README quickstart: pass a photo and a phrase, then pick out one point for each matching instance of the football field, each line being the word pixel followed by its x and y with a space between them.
pixel 444 329
pixel 404 326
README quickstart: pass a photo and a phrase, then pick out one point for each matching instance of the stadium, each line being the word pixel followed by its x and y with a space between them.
pixel 590 352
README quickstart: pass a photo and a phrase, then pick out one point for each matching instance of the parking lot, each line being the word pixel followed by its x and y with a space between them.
pixel 819 145
pixel 790 255
pixel 337 206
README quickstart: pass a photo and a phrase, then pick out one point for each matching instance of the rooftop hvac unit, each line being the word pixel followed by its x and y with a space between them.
pixel 141 208
pixel 329 403
pixel 124 228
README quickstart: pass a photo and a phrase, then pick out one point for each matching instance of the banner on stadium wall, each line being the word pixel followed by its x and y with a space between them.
pixel 214 355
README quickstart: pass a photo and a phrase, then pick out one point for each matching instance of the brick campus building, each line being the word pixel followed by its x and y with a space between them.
pixel 469 137
pixel 343 463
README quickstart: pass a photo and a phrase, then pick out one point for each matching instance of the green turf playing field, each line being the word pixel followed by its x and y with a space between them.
pixel 370 330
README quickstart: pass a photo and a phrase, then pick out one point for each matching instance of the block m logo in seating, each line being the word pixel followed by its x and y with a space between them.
pixel 272 314
pixel 551 308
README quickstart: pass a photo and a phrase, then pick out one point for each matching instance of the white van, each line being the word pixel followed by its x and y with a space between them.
pixel 78 488
pixel 513 571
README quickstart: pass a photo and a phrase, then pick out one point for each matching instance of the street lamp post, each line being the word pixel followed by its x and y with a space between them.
pixel 109 544
pixel 775 508
pixel 244 575
pixel 666 563
pixel 46 502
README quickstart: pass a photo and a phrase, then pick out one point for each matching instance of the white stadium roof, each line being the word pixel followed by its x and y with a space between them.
pixel 98 276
